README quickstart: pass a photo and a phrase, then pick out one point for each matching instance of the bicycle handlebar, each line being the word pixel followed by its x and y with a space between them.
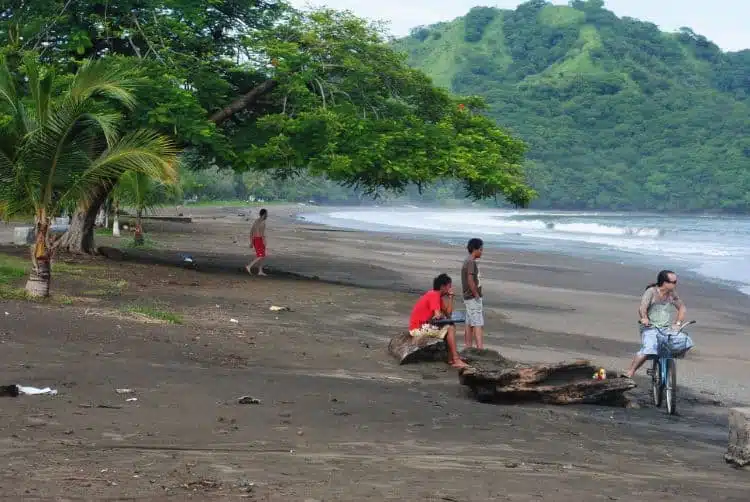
pixel 661 331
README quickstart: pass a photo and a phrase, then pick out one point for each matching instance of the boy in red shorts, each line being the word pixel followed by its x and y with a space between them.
pixel 258 239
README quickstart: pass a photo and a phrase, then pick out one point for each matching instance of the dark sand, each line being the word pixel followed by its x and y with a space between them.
pixel 338 420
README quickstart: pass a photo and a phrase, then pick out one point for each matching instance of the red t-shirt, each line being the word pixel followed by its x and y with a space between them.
pixel 424 309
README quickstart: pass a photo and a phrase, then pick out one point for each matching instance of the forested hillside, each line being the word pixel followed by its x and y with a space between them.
pixel 617 114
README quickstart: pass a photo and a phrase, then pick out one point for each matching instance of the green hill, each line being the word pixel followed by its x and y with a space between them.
pixel 617 114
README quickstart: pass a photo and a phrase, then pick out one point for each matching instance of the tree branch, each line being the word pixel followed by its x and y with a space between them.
pixel 244 101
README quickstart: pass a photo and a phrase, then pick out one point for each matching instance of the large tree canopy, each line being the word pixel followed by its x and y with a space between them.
pixel 258 85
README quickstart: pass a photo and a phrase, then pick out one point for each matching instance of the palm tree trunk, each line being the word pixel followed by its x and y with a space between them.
pixel 41 272
pixel 138 228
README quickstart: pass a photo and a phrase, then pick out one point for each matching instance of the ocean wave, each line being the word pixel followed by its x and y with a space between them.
pixel 598 229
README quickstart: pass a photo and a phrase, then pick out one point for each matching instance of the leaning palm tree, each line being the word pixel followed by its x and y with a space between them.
pixel 55 150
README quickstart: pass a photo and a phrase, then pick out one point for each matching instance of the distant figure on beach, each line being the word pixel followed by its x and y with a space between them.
pixel 471 284
pixel 433 305
pixel 655 310
pixel 258 239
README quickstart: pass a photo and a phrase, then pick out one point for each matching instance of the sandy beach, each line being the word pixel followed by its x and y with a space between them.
pixel 337 418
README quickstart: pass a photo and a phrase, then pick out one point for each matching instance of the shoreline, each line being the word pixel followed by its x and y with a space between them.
pixel 715 267
pixel 715 286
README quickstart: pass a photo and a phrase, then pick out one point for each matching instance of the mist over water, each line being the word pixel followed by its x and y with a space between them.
pixel 715 247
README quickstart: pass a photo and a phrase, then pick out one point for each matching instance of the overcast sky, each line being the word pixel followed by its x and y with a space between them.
pixel 721 21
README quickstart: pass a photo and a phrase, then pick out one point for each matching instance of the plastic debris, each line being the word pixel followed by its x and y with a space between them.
pixel 33 391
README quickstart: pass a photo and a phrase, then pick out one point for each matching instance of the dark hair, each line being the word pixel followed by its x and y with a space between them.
pixel 661 278
pixel 263 212
pixel 474 244
pixel 440 281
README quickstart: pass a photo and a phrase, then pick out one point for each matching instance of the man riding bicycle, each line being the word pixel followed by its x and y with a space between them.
pixel 655 312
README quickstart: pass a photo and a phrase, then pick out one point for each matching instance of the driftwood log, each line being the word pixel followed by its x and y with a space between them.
pixel 407 349
pixel 493 378
pixel 561 383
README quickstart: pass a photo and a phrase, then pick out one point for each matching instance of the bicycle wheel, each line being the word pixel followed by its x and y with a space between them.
pixel 671 387
pixel 656 386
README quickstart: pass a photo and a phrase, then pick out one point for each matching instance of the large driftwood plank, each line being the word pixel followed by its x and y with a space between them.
pixel 561 383
pixel 608 391
pixel 527 375
pixel 408 349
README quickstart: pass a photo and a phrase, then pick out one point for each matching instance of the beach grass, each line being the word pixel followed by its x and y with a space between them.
pixel 154 312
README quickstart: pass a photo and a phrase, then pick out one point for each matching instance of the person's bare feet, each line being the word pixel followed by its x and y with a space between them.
pixel 247 267
pixel 458 364
pixel 261 273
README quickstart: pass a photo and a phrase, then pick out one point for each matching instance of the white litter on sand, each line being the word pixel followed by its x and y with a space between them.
pixel 33 391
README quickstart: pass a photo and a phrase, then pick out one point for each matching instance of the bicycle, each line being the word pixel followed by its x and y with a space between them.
pixel 664 370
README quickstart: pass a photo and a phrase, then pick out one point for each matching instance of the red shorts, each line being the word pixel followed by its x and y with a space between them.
pixel 259 246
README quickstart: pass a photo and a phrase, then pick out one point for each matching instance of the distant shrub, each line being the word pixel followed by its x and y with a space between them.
pixel 420 33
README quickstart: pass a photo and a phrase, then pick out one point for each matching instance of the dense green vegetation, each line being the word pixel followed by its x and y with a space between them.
pixel 617 114
pixel 256 86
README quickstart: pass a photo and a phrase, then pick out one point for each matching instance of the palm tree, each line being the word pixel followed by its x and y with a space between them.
pixel 55 151
pixel 143 193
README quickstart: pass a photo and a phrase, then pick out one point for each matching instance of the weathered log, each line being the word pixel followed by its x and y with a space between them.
pixel 408 349
pixel 738 452
pixel 561 383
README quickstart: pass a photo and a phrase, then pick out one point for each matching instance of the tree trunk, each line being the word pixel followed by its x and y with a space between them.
pixel 116 220
pixel 38 284
pixel 79 239
pixel 138 238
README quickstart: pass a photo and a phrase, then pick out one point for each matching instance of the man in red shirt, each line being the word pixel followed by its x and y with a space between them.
pixel 437 304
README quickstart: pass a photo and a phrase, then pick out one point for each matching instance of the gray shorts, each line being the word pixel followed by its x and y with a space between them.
pixel 474 312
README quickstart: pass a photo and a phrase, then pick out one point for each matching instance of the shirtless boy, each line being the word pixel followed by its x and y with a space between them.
pixel 258 240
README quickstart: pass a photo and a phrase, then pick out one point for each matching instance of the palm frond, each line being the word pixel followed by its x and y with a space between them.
pixel 54 153
pixel 102 78
pixel 40 80
pixel 145 152
pixel 7 87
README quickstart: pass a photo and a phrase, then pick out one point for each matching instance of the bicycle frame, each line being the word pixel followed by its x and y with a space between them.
pixel 664 356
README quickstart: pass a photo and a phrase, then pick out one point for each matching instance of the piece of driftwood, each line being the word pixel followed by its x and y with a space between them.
pixel 738 452
pixel 408 349
pixel 561 383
